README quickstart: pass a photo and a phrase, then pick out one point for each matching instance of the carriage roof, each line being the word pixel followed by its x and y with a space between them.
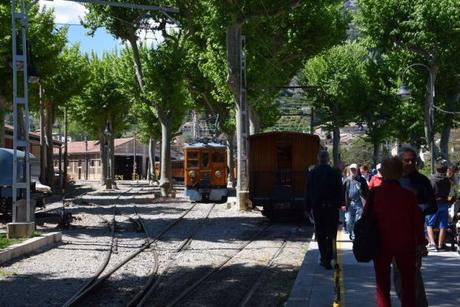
pixel 203 145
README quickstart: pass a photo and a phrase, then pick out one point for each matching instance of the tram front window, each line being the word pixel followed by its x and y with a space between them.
pixel 205 159
pixel 218 157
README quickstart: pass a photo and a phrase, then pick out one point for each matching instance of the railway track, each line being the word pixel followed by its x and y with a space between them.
pixel 142 296
pixel 189 290
pixel 150 244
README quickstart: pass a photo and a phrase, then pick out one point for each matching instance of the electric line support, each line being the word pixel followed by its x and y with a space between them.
pixel 21 225
pixel 237 79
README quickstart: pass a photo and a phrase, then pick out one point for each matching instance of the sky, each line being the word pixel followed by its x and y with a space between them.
pixel 67 12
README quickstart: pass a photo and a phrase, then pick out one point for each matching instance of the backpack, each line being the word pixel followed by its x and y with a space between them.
pixel 366 245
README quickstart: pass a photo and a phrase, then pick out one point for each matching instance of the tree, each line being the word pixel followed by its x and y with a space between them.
pixel 337 87
pixel 103 106
pixel 419 31
pixel 45 42
pixel 63 85
pixel 277 41
pixel 166 92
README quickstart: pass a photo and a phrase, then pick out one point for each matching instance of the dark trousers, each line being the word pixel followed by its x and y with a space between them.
pixel 406 265
pixel 326 220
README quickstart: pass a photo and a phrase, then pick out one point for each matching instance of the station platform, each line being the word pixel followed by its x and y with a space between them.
pixel 315 286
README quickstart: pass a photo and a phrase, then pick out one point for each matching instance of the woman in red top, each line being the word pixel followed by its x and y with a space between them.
pixel 400 227
pixel 377 179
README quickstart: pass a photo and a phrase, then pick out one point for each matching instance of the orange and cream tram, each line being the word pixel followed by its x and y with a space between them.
pixel 205 172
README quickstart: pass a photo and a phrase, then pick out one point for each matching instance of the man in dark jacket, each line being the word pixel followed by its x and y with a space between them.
pixel 442 187
pixel 324 198
pixel 355 192
pixel 421 186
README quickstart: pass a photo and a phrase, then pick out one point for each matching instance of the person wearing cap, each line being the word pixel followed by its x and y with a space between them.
pixel 441 187
pixel 355 191
pixel 377 179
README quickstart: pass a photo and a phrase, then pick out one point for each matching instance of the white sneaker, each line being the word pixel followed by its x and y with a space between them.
pixel 431 247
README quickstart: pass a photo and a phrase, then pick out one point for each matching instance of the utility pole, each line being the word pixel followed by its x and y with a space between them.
pixel 134 161
pixel 237 66
pixel 21 176
pixel 66 162
pixel 86 158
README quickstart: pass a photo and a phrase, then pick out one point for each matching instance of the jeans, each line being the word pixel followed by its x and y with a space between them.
pixel 354 212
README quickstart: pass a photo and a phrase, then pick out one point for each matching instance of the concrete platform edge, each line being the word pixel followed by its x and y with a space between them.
pixel 301 291
pixel 29 246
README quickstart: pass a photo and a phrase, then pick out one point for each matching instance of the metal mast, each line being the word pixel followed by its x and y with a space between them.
pixel 21 177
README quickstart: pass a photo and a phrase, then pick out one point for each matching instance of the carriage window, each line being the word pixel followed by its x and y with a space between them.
pixel 204 159
pixel 218 157
pixel 192 159
pixel 284 156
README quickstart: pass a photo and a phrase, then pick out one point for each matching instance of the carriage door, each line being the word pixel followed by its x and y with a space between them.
pixel 205 169
pixel 284 163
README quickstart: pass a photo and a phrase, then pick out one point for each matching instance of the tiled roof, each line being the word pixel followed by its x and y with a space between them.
pixel 32 135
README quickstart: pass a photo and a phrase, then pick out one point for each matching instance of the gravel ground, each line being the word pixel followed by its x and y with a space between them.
pixel 52 276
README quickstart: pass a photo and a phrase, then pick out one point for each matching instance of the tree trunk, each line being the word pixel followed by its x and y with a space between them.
pixel 2 122
pixel 137 62
pixel 152 173
pixel 254 122
pixel 376 152
pixel 42 137
pixel 230 161
pixel 447 126
pixel 49 143
pixel 336 145
pixel 103 151
pixel 165 172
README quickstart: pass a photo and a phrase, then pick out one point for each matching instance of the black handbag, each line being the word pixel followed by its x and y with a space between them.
pixel 366 245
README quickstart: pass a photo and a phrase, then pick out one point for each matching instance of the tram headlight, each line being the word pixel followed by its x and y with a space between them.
pixel 218 173
pixel 192 174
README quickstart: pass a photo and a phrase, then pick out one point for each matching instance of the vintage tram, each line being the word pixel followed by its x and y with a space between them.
pixel 205 172
pixel 278 167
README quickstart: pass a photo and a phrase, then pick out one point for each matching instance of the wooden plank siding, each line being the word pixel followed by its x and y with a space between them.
pixel 273 155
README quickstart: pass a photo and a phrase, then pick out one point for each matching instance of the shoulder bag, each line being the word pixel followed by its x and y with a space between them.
pixel 366 245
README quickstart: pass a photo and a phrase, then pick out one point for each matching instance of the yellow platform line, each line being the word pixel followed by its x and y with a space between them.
pixel 338 273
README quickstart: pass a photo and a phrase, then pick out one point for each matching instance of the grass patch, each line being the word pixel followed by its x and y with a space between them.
pixel 5 242
pixel 5 273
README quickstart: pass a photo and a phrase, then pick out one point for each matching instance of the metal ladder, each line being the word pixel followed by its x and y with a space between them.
pixel 21 177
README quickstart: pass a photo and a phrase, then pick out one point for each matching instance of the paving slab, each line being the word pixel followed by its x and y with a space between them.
pixel 314 285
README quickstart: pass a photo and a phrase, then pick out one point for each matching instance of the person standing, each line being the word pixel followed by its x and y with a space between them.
pixel 442 188
pixel 420 185
pixel 324 198
pixel 377 179
pixel 355 190
pixel 364 171
pixel 400 226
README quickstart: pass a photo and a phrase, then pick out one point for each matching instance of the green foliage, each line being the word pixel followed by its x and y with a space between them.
pixel 45 43
pixel 410 31
pixel 102 99
pixel 279 36
pixel 359 151
pixel 69 80
pixel 336 78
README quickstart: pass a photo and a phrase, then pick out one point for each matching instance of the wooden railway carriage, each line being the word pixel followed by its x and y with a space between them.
pixel 205 173
pixel 278 166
